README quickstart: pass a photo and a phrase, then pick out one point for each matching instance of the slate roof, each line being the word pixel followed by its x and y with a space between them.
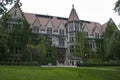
pixel 44 19
pixel 73 15
pixel 56 21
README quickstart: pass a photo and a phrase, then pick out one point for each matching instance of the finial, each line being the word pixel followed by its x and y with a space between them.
pixel 73 5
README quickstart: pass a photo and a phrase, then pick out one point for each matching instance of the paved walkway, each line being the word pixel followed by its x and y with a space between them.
pixel 82 67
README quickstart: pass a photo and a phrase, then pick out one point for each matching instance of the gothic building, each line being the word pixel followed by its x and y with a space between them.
pixel 62 32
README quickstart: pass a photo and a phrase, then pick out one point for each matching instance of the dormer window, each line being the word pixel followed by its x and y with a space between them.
pixel 35 29
pixel 97 35
pixel 86 34
pixel 61 31
pixel 49 30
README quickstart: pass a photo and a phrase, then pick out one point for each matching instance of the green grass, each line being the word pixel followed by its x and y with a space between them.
pixel 55 73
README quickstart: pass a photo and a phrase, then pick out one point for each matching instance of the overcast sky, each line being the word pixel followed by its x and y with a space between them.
pixel 91 10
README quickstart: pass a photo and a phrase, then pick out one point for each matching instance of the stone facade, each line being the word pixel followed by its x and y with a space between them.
pixel 62 31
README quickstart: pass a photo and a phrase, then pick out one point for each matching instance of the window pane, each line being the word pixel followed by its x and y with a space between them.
pixel 76 27
pixel 49 30
pixel 71 27
pixel 61 31
pixel 86 34
pixel 96 35
pixel 61 42
pixel 35 29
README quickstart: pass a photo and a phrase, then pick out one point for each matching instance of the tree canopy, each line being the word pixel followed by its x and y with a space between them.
pixel 4 3
pixel 117 7
pixel 112 41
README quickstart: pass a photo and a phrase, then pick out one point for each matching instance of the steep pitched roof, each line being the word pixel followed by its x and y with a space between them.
pixel 44 20
pixel 104 26
pixel 73 15
pixel 30 17
pixel 92 25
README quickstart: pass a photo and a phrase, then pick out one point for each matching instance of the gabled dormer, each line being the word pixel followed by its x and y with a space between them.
pixel 62 28
pixel 49 27
pixel 85 31
pixel 36 26
pixel 16 11
pixel 15 18
pixel 96 31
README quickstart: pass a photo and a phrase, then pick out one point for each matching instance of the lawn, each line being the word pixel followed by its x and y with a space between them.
pixel 56 73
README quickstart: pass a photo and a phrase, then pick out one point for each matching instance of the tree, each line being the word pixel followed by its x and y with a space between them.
pixel 117 7
pixel 114 46
pixel 4 56
pixel 3 44
pixel 82 48
pixel 109 37
pixel 53 57
pixel 4 3
pixel 18 32
pixel 36 48
pixel 79 45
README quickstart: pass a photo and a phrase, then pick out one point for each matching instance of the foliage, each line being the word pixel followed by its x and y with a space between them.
pixel 4 3
pixel 19 63
pixel 109 40
pixel 79 45
pixel 53 54
pixel 49 73
pixel 100 48
pixel 117 7
pixel 17 36
pixel 97 64
pixel 114 53
pixel 40 51
pixel 3 43
pixel 82 48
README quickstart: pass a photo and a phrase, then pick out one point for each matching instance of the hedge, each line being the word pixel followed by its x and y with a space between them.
pixel 20 63
pixel 97 64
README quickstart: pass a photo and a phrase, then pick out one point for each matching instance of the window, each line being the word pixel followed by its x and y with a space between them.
pixel 15 13
pixel 71 34
pixel 92 44
pixel 35 29
pixel 98 45
pixel 10 26
pixel 48 54
pixel 77 48
pixel 18 51
pixel 61 31
pixel 97 35
pixel 76 27
pixel 86 34
pixel 71 39
pixel 49 30
pixel 49 41
pixel 71 49
pixel 61 42
pixel 71 27
pixel 14 24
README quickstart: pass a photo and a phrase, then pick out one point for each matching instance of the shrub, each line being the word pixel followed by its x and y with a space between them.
pixel 97 64
pixel 20 63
